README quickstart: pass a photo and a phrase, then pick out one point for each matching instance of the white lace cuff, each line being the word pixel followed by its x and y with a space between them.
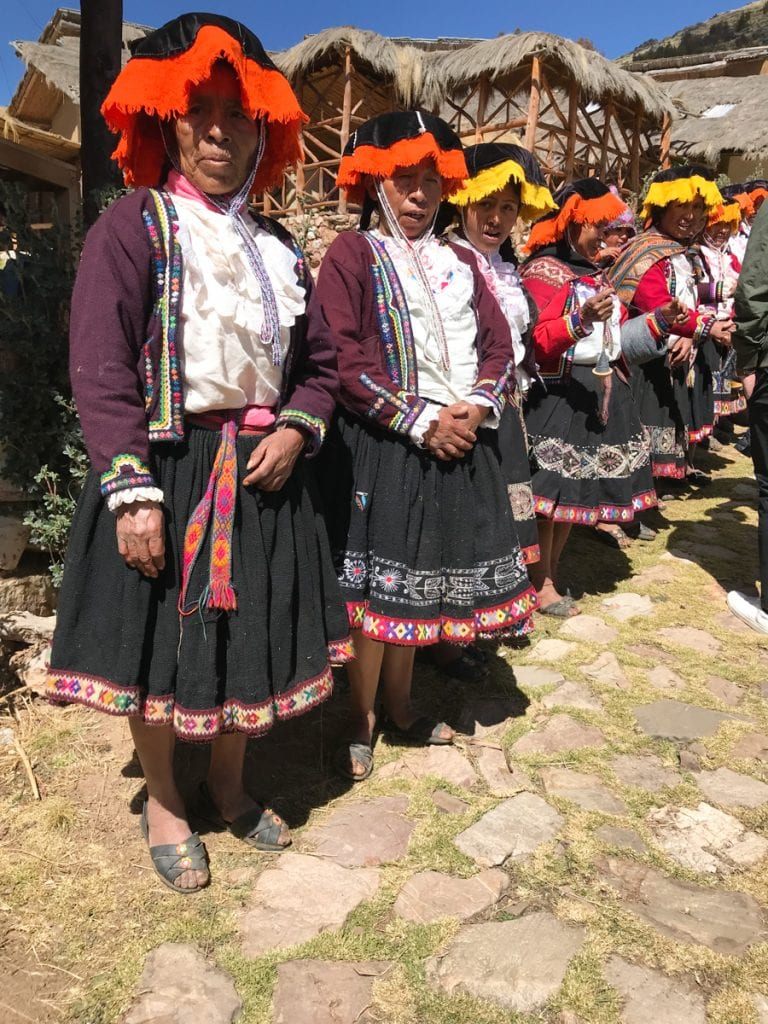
pixel 421 424
pixel 131 494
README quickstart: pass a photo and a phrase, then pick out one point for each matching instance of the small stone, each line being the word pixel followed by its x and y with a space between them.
pixel 300 897
pixel 628 606
pixel 726 691
pixel 559 734
pixel 572 695
pixel 430 895
pixel 487 716
pixel 726 922
pixel 13 540
pixel 607 670
pixel 663 678
pixel 513 830
pixel 653 655
pixel 516 964
pixel 706 839
pixel 732 624
pixel 644 771
pixel 32 594
pixel 363 834
pixel 552 650
pixel 323 992
pixel 178 985
pixel 693 639
pixel 674 720
pixel 731 789
pixel 446 762
pixel 448 803
pixel 689 762
pixel 623 838
pixel 501 778
pixel 534 677
pixel 753 745
pixel 649 995
pixel 6 737
pixel 583 789
pixel 590 628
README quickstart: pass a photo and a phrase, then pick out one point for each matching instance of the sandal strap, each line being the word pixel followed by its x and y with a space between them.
pixel 173 859
pixel 259 823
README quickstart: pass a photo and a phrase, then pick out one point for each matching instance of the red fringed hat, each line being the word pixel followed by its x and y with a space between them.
pixel 154 86
pixel 587 201
pixel 400 139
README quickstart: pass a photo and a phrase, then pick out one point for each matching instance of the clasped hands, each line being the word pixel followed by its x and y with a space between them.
pixel 453 433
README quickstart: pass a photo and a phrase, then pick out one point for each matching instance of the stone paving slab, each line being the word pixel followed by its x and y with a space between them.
pixel 560 733
pixel 322 992
pixel 706 839
pixel 300 897
pixel 442 762
pixel 516 964
pixel 724 786
pixel 534 677
pixel 664 678
pixel 623 838
pixel 513 830
pixel 693 639
pixel 726 922
pixel 644 771
pixel 583 789
pixel 501 778
pixel 448 803
pixel 753 745
pixel 675 720
pixel 430 895
pixel 725 690
pixel 626 606
pixel 607 670
pixel 178 985
pixel 552 650
pixel 649 653
pixel 363 834
pixel 590 628
pixel 649 995
pixel 572 695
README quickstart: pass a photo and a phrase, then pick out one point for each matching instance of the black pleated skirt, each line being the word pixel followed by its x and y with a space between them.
pixel 512 441
pixel 121 646
pixel 424 550
pixel 584 471
pixel 663 407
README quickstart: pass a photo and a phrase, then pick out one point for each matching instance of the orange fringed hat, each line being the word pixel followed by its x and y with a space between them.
pixel 587 201
pixel 728 212
pixel 154 86
pixel 400 139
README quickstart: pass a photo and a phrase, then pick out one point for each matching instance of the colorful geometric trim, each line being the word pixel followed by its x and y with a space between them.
pixel 658 324
pixel 496 391
pixel 393 317
pixel 694 436
pixel 126 471
pixel 589 516
pixel 642 252
pixel 189 725
pixel 704 324
pixel 730 407
pixel 575 325
pixel 531 554
pixel 314 425
pixel 168 424
pixel 671 470
pixel 408 406
pixel 341 651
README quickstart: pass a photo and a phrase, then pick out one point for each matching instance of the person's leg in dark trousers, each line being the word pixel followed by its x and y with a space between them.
pixel 758 427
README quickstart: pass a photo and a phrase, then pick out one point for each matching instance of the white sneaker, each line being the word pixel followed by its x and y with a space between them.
pixel 748 610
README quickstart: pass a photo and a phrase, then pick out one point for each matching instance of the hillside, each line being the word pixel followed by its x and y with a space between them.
pixel 730 30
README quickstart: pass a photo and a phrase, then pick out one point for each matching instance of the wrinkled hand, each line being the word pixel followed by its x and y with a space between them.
pixel 721 332
pixel 272 461
pixel 598 307
pixel 140 530
pixel 453 432
pixel 609 254
pixel 674 311
pixel 680 352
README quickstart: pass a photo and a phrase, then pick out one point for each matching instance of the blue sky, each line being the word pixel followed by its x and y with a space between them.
pixel 614 26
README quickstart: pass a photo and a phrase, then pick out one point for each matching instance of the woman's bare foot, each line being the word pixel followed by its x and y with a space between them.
pixel 232 801
pixel 404 715
pixel 170 826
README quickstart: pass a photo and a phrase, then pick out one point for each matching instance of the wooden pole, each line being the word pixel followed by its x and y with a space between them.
pixel 534 103
pixel 346 116
pixel 634 153
pixel 666 140
pixel 573 115
pixel 608 114
pixel 482 102
pixel 101 36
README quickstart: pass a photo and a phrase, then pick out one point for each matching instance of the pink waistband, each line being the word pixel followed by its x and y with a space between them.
pixel 258 417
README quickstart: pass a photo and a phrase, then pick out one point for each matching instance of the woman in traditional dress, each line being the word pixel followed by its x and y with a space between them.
pixel 199 597
pixel 419 516
pixel 590 462
pixel 673 393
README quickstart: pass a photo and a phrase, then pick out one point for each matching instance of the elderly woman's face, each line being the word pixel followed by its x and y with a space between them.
pixel 587 239
pixel 488 222
pixel 684 221
pixel 414 194
pixel 217 139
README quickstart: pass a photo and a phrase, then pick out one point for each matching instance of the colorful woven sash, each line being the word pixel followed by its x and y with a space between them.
pixel 215 512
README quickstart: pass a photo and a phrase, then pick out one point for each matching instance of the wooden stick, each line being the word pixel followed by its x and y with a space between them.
pixel 27 767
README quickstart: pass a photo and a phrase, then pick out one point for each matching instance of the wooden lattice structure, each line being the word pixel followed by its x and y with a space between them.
pixel 579 113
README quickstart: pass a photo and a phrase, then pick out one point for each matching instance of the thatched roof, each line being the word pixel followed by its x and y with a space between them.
pixel 422 71
pixel 565 61
pixel 739 124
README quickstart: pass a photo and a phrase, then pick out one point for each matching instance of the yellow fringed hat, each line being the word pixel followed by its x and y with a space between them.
pixel 729 212
pixel 681 185
pixel 492 166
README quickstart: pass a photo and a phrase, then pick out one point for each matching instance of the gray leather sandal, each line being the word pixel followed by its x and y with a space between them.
pixel 260 827
pixel 349 751
pixel 170 860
